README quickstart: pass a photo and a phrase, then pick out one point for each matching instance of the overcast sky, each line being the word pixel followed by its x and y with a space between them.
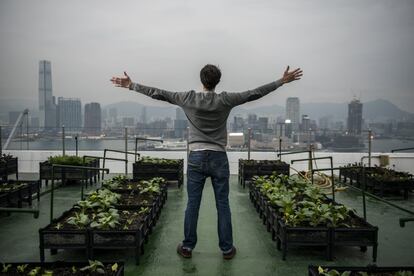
pixel 346 48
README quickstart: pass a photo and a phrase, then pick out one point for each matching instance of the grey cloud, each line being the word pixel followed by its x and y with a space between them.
pixel 346 48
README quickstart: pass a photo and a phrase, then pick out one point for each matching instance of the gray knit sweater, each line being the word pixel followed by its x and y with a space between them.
pixel 206 112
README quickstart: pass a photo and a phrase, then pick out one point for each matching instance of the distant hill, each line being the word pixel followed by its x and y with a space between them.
pixel 377 111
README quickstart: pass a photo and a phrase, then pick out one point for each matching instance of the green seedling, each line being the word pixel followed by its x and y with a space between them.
pixel 58 226
pixel 35 271
pixel 6 268
pixel 22 268
pixel 94 266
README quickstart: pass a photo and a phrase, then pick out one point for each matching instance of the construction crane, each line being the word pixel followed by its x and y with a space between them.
pixel 16 124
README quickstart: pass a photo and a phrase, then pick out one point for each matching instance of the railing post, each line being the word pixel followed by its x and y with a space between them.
pixel 21 135
pixel 63 140
pixel 310 167
pixel 249 135
pixel 364 186
pixel 1 143
pixel 126 150
pixel 136 148
pixel 52 193
pixel 27 130
pixel 76 144
pixel 333 180
pixel 280 148
pixel 369 147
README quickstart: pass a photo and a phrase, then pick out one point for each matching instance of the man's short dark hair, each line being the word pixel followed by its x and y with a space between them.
pixel 210 76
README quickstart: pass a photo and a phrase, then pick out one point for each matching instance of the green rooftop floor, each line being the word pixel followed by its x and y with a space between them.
pixel 257 253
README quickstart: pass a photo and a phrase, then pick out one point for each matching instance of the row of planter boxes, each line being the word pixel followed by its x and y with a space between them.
pixel 355 270
pixel 14 192
pixel 171 172
pixel 250 168
pixel 90 239
pixel 61 268
pixel 8 166
pixel 401 183
pixel 363 235
pixel 69 174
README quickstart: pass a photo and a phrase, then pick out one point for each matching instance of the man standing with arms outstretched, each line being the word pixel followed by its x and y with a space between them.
pixel 207 114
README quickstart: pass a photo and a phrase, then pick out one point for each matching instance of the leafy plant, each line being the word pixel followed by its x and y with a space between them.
pixel 94 266
pixel 144 210
pixel 35 271
pixel 114 267
pixel 58 226
pixel 6 268
pixel 301 203
pixel 332 272
pixel 155 160
pixel 106 220
pixel 22 268
pixel 72 160
pixel 80 219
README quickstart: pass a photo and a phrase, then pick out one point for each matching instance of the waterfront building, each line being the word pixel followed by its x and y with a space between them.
pixel 47 105
pixel 355 117
pixel 293 112
pixel 69 112
pixel 93 119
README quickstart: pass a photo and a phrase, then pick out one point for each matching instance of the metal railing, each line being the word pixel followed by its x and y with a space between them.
pixel 84 168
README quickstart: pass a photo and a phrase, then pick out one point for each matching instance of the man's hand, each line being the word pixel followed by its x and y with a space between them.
pixel 122 82
pixel 291 76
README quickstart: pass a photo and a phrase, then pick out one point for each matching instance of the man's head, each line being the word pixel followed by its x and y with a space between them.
pixel 210 76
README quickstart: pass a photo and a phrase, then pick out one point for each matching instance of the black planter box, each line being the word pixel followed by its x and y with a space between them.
pixel 61 264
pixel 171 172
pixel 362 234
pixel 55 239
pixel 45 172
pixel 15 197
pixel 91 239
pixel 313 270
pixel 380 187
pixel 302 236
pixel 9 167
pixel 384 188
pixel 250 168
pixel 121 239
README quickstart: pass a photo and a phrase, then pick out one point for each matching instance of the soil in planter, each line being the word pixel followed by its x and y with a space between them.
pixel 129 220
pixel 135 199
pixel 10 187
pixel 61 271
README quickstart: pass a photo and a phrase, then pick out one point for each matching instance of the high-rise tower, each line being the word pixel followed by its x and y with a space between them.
pixel 70 113
pixel 355 117
pixel 47 106
pixel 93 116
pixel 293 112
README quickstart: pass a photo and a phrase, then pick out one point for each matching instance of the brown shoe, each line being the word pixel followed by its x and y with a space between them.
pixel 184 252
pixel 230 255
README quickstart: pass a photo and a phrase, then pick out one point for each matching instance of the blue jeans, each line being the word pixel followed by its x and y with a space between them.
pixel 203 164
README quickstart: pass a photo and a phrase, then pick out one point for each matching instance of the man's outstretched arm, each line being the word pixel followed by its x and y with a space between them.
pixel 177 98
pixel 234 99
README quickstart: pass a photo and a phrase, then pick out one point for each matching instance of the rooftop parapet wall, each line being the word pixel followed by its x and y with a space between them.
pixel 29 159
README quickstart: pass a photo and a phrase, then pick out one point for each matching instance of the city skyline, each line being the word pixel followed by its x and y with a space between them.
pixel 375 63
